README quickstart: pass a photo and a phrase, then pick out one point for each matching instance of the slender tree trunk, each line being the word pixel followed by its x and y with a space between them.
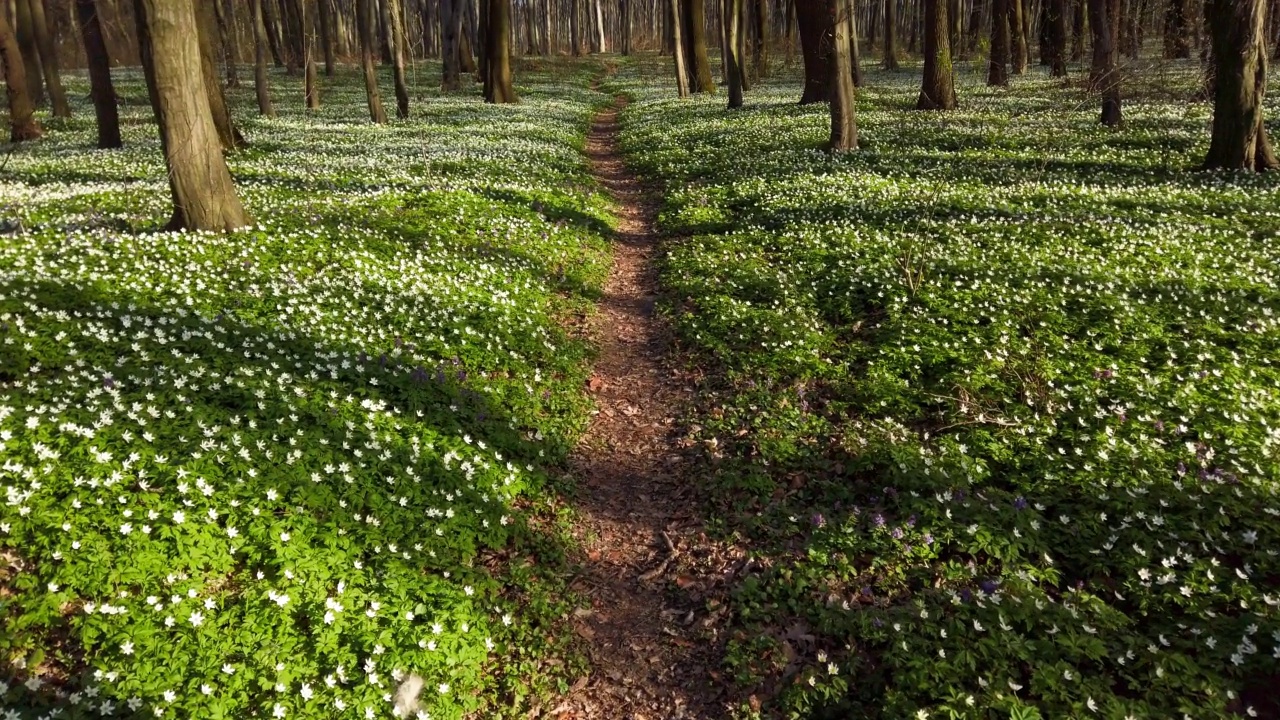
pixel 1077 30
pixel 310 81
pixel 1057 19
pixel 1239 140
pixel 677 42
pixel 225 13
pixel 1103 75
pixel 260 60
pixel 813 20
pixel 206 31
pixel 855 62
pixel 399 49
pixel 22 112
pixel 601 46
pixel 1018 36
pixel 26 31
pixel 365 21
pixel 498 87
pixel 326 37
pixel 469 65
pixel 890 34
pixel 575 28
pixel 844 130
pixel 291 36
pixel 937 89
pixel 100 88
pixel 271 27
pixel 760 55
pixel 733 60
pixel 625 13
pixel 49 60
pixel 975 25
pixel 998 67
pixel 695 37
pixel 451 42
pixel 204 197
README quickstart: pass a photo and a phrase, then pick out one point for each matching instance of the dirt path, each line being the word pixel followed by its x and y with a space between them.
pixel 654 625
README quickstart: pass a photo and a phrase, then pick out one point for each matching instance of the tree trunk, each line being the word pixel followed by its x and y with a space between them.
pixel 204 197
pixel 1018 37
pixel 205 32
pixel 890 34
pixel 291 36
pixel 100 88
pixel 677 42
pixel 271 27
pixel 744 31
pixel 26 31
pixel 733 65
pixel 695 37
pixel 466 45
pixel 998 67
pixel 225 11
pixel 451 44
pixel 1057 36
pixel 575 28
pixel 1239 140
pixel 1077 30
pixel 326 37
pixel 260 60
pixel 1177 44
pixel 844 130
pixel 975 25
pixel 760 52
pixel 399 49
pixel 1103 75
pixel 601 46
pixel 22 112
pixel 625 20
pixel 855 63
pixel 937 89
pixel 955 12
pixel 49 60
pixel 310 83
pixel 814 23
pixel 498 87
pixel 365 21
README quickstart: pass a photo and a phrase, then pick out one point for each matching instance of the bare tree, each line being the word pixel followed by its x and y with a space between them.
pixel 22 111
pixel 498 87
pixel 260 50
pixel 101 90
pixel 844 129
pixel 1103 74
pixel 365 21
pixel 998 65
pixel 48 60
pixel 937 89
pixel 1239 140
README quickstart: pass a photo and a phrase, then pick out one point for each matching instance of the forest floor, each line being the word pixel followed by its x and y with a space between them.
pixel 649 570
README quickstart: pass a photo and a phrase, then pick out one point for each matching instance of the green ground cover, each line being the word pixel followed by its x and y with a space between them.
pixel 994 401
pixel 271 473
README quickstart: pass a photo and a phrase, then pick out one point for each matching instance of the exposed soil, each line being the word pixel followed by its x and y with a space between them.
pixel 654 625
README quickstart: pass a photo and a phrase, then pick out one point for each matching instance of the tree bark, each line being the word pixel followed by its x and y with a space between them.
pixel 22 112
pixel 260 85
pixel 1177 43
pixel 937 89
pixel 998 66
pixel 49 60
pixel 204 197
pixel 272 28
pixel 225 11
pixel 205 32
pixel 101 90
pixel 326 37
pixel 451 44
pixel 733 64
pixel 1103 76
pixel 813 21
pixel 1077 30
pixel 310 82
pixel 844 129
pixel 760 52
pixel 677 42
pixel 975 25
pixel 1018 37
pixel 575 28
pixel 890 34
pixel 1057 37
pixel 399 49
pixel 26 31
pixel 1239 140
pixel 695 37
pixel 498 87
pixel 365 21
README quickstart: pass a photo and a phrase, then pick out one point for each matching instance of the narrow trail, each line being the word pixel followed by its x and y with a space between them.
pixel 653 627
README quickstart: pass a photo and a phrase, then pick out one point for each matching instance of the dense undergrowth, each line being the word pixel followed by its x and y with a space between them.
pixel 274 473
pixel 994 400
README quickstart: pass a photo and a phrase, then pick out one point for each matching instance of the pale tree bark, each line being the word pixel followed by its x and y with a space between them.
pixel 310 81
pixel 998 65
pixel 1239 140
pixel 601 45
pixel 498 87
pixel 682 72
pixel 399 49
pixel 365 21
pixel 1018 37
pixel 844 129
pixel 205 32
pixel 49 60
pixel 695 37
pixel 26 31
pixel 225 11
pixel 937 89
pixel 204 197
pixel 260 52
pixel 22 111
pixel 101 91
pixel 733 59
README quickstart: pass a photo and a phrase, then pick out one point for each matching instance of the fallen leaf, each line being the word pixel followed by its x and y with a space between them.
pixel 595 384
